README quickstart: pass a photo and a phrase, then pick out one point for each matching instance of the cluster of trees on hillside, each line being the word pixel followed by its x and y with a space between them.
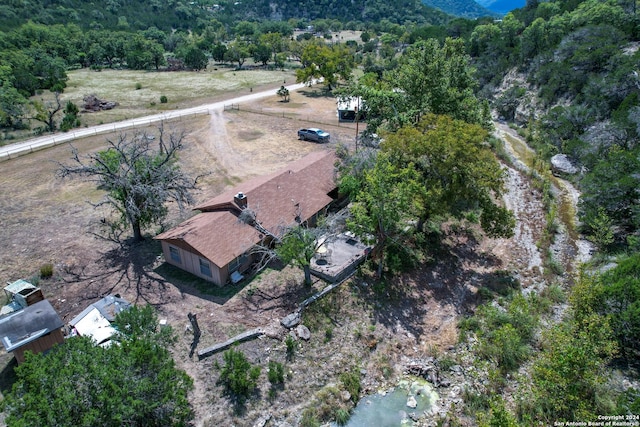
pixel 434 162
pixel 580 62
pixel 175 14
pixel 36 57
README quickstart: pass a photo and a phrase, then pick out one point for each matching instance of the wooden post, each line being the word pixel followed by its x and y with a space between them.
pixel 357 125
pixel 196 333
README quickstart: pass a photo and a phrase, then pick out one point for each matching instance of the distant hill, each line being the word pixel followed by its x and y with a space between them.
pixel 461 8
pixel 502 7
pixel 176 14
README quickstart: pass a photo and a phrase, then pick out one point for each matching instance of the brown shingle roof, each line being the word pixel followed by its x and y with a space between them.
pixel 300 189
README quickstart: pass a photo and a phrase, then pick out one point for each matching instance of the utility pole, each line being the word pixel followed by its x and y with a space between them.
pixel 357 122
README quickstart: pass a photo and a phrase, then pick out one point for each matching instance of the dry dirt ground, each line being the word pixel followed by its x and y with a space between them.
pixel 364 325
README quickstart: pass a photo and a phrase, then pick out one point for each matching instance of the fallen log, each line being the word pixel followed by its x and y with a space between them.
pixel 216 348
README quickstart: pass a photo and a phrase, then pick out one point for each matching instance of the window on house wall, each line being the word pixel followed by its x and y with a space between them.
pixel 236 263
pixel 175 254
pixel 205 267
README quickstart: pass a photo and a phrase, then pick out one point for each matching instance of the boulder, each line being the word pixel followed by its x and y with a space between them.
pixel 560 163
pixel 292 320
pixel 411 402
pixel 303 332
pixel 262 421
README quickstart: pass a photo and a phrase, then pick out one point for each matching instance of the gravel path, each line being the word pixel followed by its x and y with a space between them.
pixel 14 150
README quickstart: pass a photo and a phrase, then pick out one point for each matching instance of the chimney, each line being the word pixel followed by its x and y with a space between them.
pixel 241 200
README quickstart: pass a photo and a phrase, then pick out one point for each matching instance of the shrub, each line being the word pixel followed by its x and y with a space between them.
pixel 351 383
pixel 309 418
pixel 555 293
pixel 46 270
pixel 342 417
pixel 276 373
pixel 138 86
pixel 291 344
pixel 238 377
pixel 328 334
pixel 446 363
pixel 505 347
pixel 163 99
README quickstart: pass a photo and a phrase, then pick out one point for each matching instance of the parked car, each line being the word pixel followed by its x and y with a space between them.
pixel 313 134
pixel 369 139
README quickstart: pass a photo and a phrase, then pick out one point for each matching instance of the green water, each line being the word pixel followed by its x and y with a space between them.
pixel 390 409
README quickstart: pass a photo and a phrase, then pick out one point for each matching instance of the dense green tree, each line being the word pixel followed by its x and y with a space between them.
pixel 12 102
pixel 140 174
pixel 261 53
pixel 458 170
pixel 616 295
pixel 143 54
pixel 245 30
pixel 438 79
pixel 21 65
pixel 237 51
pixel 389 197
pixel 141 323
pixel 195 58
pixel 298 246
pixel 320 61
pixel 51 71
pixel 274 41
pixel 612 185
pixel 134 382
pixel 569 374
pixel 218 52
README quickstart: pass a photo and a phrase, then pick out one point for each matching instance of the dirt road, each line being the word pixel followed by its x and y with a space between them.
pixel 14 150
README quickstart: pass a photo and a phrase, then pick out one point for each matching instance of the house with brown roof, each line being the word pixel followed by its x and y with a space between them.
pixel 215 244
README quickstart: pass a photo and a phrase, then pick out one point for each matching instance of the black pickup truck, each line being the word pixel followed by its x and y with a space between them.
pixel 313 134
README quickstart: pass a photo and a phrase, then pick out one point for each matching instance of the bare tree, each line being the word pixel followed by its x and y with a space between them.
pixel 292 243
pixel 45 112
pixel 140 174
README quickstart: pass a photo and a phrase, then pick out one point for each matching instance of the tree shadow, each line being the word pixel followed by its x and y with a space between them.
pixel 314 92
pixel 7 375
pixel 449 283
pixel 188 283
pixel 284 298
pixel 127 268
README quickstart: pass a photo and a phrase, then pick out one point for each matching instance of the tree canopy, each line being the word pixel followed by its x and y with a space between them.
pixel 321 61
pixel 299 245
pixel 77 383
pixel 459 172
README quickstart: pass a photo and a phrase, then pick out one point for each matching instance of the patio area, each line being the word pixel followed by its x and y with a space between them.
pixel 338 256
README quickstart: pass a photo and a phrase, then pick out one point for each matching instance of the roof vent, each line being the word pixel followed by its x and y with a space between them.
pixel 240 199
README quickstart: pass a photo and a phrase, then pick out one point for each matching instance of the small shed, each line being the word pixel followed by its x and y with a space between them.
pixel 95 320
pixel 348 110
pixel 23 293
pixel 36 328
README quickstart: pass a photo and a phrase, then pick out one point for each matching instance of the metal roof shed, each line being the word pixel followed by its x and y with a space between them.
pixel 37 328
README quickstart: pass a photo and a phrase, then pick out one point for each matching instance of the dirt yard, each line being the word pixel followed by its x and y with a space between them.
pixel 364 326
